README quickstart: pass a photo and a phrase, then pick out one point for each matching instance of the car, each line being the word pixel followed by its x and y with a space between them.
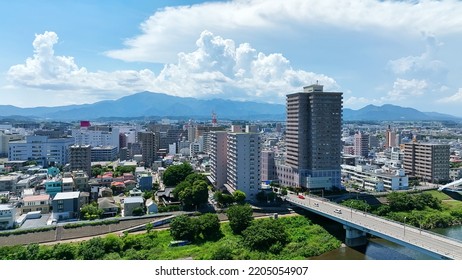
pixel 338 211
pixel 301 196
pixel 316 204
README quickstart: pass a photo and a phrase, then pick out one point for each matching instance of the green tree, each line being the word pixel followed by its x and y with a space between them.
pixel 261 196
pixel 91 212
pixel 176 173
pixel 113 244
pixel 92 249
pixel 138 211
pixel 209 226
pixel 240 217
pixel 266 234
pixel 191 194
pixel 284 191
pixel 223 199
pixel 64 251
pixel 239 197
pixel 184 228
pixel 120 170
pixel 191 178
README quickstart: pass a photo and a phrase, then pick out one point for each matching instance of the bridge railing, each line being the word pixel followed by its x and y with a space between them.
pixel 408 226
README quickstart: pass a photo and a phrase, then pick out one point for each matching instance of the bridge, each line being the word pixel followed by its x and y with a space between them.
pixel 453 186
pixel 358 223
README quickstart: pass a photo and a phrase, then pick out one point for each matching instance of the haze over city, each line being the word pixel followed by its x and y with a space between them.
pixel 375 52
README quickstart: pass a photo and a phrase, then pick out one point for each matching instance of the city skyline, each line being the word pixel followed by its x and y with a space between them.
pixel 376 52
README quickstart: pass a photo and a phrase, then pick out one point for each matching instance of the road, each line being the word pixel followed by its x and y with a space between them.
pixel 391 230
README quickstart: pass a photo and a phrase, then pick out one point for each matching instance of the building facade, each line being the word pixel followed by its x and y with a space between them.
pixel 313 138
pixel 429 162
pixel 243 163
pixel 218 158
pixel 80 158
pixel 41 149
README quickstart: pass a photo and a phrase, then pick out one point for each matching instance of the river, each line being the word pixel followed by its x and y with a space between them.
pixel 377 248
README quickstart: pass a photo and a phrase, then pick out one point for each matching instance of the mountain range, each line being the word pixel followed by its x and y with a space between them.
pixel 149 104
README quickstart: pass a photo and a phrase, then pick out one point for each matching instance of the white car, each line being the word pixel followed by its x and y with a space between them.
pixel 338 211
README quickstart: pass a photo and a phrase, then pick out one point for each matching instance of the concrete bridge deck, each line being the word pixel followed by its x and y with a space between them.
pixel 433 244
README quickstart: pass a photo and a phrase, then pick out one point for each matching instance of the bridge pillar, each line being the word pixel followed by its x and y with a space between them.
pixel 354 237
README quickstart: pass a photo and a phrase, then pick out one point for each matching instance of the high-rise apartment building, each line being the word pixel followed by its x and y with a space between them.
pixel 243 163
pixel 361 144
pixel 80 158
pixel 268 166
pixel 313 137
pixel 390 138
pixel 148 146
pixel 429 162
pixel 218 158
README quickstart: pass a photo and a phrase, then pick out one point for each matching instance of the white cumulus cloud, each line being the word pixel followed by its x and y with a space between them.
pixel 169 30
pixel 426 63
pixel 217 67
pixel 457 97
pixel 403 89
pixel 45 70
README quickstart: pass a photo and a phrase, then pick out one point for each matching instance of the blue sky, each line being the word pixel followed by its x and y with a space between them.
pixel 377 52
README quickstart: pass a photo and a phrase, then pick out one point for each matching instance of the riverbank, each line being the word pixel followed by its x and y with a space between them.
pixel 305 240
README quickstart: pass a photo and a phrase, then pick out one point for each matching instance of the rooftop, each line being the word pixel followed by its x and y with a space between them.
pixel 133 199
pixel 31 198
pixel 67 195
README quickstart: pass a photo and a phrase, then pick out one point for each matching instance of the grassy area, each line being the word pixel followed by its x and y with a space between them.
pixel 305 240
pixel 440 195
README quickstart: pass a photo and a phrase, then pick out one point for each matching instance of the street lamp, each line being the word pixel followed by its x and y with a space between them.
pixel 404 233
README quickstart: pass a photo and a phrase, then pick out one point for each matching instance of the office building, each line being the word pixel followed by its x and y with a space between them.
pixel 41 149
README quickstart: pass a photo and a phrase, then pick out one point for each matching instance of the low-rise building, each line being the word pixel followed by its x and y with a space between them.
pixel 131 203
pixel 375 179
pixel 66 205
pixel 8 183
pixel 7 216
pixel 36 203
pixel 109 207
pixel 68 184
pixel 53 186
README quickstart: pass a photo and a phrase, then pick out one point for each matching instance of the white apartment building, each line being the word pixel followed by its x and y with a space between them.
pixel 95 137
pixel 375 179
pixel 243 163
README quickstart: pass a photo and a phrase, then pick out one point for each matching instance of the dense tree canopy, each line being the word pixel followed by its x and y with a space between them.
pixel 175 174
pixel 407 202
pixel 192 192
pixel 266 234
pixel 184 228
pixel 91 212
pixel 240 217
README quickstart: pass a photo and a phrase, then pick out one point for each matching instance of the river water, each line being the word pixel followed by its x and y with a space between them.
pixel 377 248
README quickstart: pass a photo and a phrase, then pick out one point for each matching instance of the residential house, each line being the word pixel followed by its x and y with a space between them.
pixel 109 207
pixel 151 207
pixel 36 203
pixel 66 205
pixel 68 184
pixel 131 203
